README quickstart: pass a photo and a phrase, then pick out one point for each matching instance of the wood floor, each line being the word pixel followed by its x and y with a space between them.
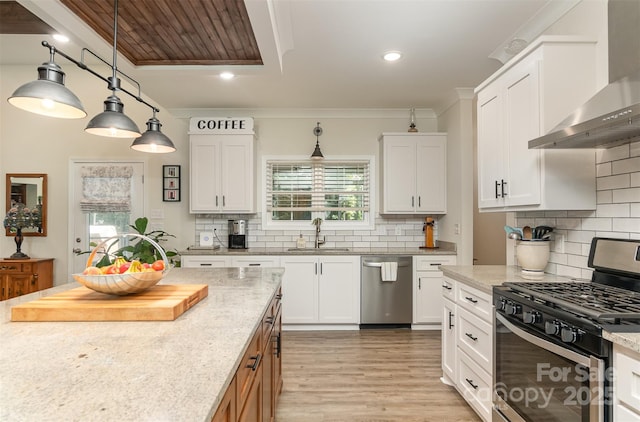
pixel 366 376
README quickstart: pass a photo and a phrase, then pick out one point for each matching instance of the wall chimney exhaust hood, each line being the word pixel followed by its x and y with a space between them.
pixel 612 116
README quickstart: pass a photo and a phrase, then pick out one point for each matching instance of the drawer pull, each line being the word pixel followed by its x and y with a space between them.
pixel 269 320
pixel 254 264
pixel 470 299
pixel 435 264
pixel 471 336
pixel 205 264
pixel 256 362
pixel 475 386
pixel 279 296
pixel 444 286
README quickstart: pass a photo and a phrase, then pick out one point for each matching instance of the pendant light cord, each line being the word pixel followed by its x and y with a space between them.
pixel 114 84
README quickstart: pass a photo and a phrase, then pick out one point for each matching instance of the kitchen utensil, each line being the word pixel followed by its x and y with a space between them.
pixel 540 231
pixel 515 235
pixel 527 233
pixel 164 302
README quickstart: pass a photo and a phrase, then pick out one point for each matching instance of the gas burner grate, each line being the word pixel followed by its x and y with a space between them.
pixel 593 300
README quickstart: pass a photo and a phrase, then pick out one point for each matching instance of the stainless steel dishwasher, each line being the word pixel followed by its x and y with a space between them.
pixel 386 303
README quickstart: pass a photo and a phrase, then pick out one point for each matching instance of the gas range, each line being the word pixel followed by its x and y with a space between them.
pixel 543 329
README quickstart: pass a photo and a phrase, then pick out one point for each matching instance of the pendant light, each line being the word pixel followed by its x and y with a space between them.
pixel 48 96
pixel 112 122
pixel 153 140
pixel 317 154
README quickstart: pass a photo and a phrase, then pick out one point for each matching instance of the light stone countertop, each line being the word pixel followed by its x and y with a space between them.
pixel 444 248
pixel 143 371
pixel 484 277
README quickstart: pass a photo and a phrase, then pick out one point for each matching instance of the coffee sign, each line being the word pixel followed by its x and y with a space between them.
pixel 217 125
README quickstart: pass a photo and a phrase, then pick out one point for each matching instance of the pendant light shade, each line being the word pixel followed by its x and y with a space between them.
pixel 317 154
pixel 48 96
pixel 153 140
pixel 112 122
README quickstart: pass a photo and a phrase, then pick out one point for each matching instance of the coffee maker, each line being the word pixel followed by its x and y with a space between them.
pixel 238 234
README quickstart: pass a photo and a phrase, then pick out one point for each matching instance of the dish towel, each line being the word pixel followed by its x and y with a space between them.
pixel 389 271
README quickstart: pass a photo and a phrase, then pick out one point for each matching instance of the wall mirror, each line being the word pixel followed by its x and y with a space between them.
pixel 29 190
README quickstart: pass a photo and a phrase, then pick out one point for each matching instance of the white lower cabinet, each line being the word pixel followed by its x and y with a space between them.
pixel 427 284
pixel 320 290
pixel 626 384
pixel 467 343
pixel 205 261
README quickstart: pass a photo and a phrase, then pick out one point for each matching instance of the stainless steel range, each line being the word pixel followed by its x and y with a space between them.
pixel 551 360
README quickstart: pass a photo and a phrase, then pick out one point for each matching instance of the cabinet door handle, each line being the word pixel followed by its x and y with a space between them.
pixel 419 283
pixel 316 270
pixel 419 202
pixel 471 336
pixel 413 203
pixel 444 286
pixel 321 268
pixel 216 200
pixel 470 299
pixel 475 386
pixel 451 320
pixel 256 362
pixel 223 201
pixel 503 183
pixel 497 186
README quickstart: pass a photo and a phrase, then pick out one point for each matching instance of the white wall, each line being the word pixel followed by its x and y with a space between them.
pixel 457 225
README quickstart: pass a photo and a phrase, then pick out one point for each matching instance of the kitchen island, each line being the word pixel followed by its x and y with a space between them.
pixel 143 371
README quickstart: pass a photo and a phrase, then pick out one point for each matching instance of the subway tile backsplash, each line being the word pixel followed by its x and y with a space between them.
pixel 617 212
pixel 382 237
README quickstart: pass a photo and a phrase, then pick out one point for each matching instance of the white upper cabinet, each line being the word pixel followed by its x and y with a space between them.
pixel 222 173
pixel 523 100
pixel 414 173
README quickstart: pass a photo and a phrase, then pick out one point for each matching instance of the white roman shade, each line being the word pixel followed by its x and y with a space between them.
pixel 339 190
pixel 106 188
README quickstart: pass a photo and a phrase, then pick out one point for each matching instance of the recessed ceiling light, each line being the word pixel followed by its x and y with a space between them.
pixel 60 38
pixel 392 56
pixel 227 75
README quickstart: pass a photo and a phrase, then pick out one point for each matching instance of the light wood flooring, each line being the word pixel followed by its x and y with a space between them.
pixel 366 376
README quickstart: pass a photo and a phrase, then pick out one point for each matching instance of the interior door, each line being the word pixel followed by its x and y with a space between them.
pixel 87 227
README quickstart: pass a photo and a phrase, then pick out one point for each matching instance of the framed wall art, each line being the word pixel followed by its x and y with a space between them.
pixel 171 183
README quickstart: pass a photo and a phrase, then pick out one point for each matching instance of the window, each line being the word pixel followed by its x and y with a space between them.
pixel 298 191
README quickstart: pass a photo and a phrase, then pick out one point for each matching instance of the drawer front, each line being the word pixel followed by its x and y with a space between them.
pixel 475 337
pixel 431 263
pixel 11 267
pixel 475 386
pixel 627 379
pixel 449 288
pixel 195 261
pixel 475 301
pixel 248 369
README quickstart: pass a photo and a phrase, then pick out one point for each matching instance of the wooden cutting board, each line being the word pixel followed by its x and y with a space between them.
pixel 159 303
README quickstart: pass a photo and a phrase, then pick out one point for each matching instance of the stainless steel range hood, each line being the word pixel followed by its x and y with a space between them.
pixel 612 116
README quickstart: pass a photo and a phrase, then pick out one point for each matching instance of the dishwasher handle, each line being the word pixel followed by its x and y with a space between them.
pixel 379 264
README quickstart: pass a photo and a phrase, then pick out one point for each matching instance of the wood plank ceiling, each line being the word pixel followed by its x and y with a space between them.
pixel 18 20
pixel 170 32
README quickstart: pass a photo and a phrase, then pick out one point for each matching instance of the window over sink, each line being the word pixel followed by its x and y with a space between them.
pixel 299 190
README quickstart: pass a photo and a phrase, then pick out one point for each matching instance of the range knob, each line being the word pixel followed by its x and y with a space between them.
pixel 569 335
pixel 552 327
pixel 512 308
pixel 503 304
pixel 531 317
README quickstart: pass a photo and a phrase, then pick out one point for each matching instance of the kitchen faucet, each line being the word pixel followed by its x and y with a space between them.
pixel 317 222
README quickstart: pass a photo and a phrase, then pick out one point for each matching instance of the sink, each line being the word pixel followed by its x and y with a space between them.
pixel 318 250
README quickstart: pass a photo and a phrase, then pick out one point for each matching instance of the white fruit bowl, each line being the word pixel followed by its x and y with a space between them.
pixel 126 283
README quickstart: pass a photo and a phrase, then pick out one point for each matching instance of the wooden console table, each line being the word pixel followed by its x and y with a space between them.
pixel 21 276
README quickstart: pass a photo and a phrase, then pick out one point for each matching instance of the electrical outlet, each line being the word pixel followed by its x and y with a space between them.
pixel 398 231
